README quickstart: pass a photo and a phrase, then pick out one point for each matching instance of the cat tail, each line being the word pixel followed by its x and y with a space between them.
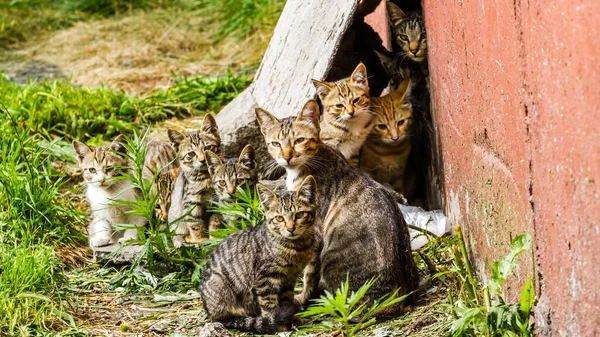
pixel 263 325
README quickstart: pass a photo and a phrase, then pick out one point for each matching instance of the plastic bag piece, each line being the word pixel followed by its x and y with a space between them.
pixel 435 222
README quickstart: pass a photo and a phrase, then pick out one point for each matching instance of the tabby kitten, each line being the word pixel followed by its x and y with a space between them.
pixel 161 167
pixel 228 175
pixel 347 119
pixel 410 35
pixel 249 279
pixel 102 167
pixel 193 188
pixel 360 227
pixel 384 155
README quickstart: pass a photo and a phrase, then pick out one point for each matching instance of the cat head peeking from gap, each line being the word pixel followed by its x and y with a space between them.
pixel 393 115
pixel 230 174
pixel 347 99
pixel 293 140
pixel 409 32
pixel 103 164
pixel 290 214
pixel 190 147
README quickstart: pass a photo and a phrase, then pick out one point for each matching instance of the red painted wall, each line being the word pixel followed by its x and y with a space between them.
pixel 516 99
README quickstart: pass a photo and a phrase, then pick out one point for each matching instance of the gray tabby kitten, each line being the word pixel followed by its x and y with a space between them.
pixel 249 279
pixel 102 167
pixel 228 175
pixel 161 167
pixel 363 233
pixel 193 188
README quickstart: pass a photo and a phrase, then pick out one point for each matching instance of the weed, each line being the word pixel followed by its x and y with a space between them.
pixel 348 313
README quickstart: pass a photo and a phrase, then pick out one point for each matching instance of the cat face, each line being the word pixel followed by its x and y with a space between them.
pixel 409 31
pixel 165 182
pixel 101 165
pixel 291 141
pixel 191 147
pixel 347 99
pixel 227 176
pixel 393 115
pixel 290 214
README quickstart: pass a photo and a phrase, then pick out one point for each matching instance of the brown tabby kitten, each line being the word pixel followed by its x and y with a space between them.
pixel 161 167
pixel 410 36
pixel 193 188
pixel 249 279
pixel 384 155
pixel 347 119
pixel 362 231
pixel 102 167
pixel 228 175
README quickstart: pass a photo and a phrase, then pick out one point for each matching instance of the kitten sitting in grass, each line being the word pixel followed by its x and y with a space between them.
pixel 102 169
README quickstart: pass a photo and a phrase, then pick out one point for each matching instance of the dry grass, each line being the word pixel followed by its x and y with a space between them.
pixel 140 52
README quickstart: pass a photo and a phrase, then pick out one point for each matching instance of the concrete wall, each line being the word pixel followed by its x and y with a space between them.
pixel 516 96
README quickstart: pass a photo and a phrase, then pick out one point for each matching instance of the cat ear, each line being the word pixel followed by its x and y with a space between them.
pixel 176 138
pixel 323 88
pixel 248 158
pixel 265 119
pixel 81 150
pixel 386 61
pixel 359 76
pixel 310 111
pixel 212 159
pixel 395 14
pixel 403 90
pixel 267 197
pixel 117 145
pixel 209 124
pixel 308 190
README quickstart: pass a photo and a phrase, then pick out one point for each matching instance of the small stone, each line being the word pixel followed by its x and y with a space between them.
pixel 214 330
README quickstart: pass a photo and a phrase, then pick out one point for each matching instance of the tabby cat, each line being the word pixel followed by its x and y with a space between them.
pixel 347 119
pixel 161 167
pixel 384 155
pixel 249 279
pixel 228 175
pixel 102 167
pixel 362 231
pixel 193 188
pixel 410 36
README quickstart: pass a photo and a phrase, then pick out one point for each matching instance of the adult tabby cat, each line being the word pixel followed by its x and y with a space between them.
pixel 193 188
pixel 347 114
pixel 161 167
pixel 362 232
pixel 101 167
pixel 228 175
pixel 249 279
pixel 385 154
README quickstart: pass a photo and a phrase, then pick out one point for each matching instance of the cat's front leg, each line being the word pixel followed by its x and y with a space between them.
pixel 214 223
pixel 99 232
pixel 310 282
pixel 181 230
pixel 196 230
pixel 132 233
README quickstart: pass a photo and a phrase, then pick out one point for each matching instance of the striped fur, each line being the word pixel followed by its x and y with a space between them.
pixel 362 231
pixel 347 115
pixel 248 282
pixel 409 32
pixel 102 167
pixel 161 167
pixel 384 155
pixel 193 188
pixel 228 175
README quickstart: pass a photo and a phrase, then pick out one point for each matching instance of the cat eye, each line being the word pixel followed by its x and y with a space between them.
pixel 92 170
pixel 400 123
pixel 300 215
pixel 381 126
pixel 276 144
pixel 209 148
pixel 222 183
pixel 339 106
pixel 241 181
pixel 279 218
pixel 404 37
pixel 355 100
pixel 299 140
pixel 190 155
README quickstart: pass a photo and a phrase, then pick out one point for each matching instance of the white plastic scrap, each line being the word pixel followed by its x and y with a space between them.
pixel 433 221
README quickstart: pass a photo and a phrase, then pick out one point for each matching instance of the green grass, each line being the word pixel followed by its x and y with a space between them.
pixel 60 109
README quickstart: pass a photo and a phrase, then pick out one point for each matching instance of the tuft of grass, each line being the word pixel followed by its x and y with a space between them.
pixel 60 109
pixel 243 17
pixel 112 7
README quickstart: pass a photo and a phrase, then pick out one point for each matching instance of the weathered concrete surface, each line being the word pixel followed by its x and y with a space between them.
pixel 517 108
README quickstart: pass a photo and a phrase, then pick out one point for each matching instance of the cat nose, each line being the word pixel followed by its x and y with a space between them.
pixel 395 138
pixel 287 154
pixel 291 228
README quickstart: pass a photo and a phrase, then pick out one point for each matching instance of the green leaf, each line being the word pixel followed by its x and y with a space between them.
pixel 501 269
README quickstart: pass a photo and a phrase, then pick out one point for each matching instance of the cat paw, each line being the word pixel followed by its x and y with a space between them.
pixel 178 242
pixel 99 241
